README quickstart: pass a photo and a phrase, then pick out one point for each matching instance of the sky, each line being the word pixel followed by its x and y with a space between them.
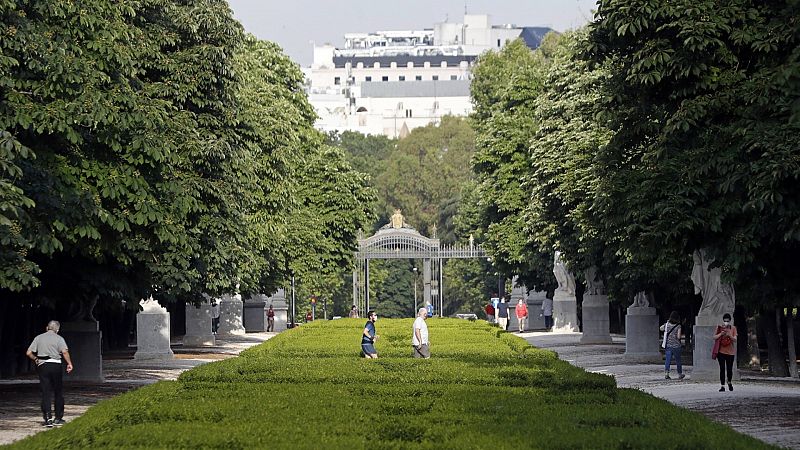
pixel 296 25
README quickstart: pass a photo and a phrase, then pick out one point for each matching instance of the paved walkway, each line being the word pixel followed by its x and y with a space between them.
pixel 20 414
pixel 764 407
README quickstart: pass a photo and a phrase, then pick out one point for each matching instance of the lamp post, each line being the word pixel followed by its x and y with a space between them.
pixel 415 290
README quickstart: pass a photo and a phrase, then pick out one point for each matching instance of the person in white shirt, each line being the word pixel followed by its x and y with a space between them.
pixel 419 339
pixel 47 351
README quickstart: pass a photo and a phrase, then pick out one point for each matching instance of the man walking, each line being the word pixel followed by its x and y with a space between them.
pixel 214 316
pixel 547 312
pixel 419 340
pixel 369 336
pixel 46 351
pixel 502 313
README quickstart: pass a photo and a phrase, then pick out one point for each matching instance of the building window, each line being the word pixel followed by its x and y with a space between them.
pixel 408 113
pixel 498 43
pixel 435 77
pixel 453 77
pixel 337 80
pixel 418 78
pixel 384 78
pixel 401 78
pixel 367 78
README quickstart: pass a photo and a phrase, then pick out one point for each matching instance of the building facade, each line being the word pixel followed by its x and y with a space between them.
pixel 390 82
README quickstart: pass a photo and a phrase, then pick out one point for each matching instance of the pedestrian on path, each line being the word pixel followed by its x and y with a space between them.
pixel 521 312
pixel 724 340
pixel 547 312
pixel 270 319
pixel 489 312
pixel 502 313
pixel 353 312
pixel 369 336
pixel 47 351
pixel 672 344
pixel 215 316
pixel 419 338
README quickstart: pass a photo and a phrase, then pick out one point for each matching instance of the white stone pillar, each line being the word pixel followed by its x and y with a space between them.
pixel 152 332
pixel 641 331
pixel 230 315
pixel 198 325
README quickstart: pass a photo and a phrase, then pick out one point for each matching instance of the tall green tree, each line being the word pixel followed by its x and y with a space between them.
pixel 504 89
pixel 704 147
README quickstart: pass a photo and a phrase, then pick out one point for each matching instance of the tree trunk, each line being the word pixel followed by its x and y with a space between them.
pixel 790 342
pixel 753 353
pixel 776 358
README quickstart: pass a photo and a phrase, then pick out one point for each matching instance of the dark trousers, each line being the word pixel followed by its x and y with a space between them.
pixel 548 322
pixel 51 383
pixel 725 362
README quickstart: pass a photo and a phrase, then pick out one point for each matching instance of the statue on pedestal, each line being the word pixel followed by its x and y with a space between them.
pixel 566 281
pixel 640 300
pixel 718 297
pixel 594 284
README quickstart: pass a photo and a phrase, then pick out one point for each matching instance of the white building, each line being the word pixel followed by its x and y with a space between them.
pixel 390 82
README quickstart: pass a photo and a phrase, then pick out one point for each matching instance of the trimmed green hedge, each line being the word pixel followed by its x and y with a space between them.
pixel 308 388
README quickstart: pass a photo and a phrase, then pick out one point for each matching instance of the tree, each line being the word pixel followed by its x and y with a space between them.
pixel 704 148
pixel 504 89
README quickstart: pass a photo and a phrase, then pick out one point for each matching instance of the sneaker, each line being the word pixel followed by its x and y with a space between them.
pixel 681 376
pixel 730 387
pixel 666 377
pixel 722 389
pixel 59 422
pixel 48 423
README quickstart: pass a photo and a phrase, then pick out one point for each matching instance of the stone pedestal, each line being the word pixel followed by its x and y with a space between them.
pixel 596 324
pixel 84 340
pixel 703 367
pixel 198 326
pixel 281 308
pixel 565 312
pixel 152 332
pixel 230 315
pixel 255 314
pixel 535 320
pixel 641 335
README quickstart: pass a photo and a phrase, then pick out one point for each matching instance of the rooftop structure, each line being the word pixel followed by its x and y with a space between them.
pixel 390 82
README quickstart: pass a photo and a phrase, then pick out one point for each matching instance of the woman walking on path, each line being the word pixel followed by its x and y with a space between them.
pixel 672 344
pixel 724 338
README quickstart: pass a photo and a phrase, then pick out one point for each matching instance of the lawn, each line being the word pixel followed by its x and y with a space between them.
pixel 308 388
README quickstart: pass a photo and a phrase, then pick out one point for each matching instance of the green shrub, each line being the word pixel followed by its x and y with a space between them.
pixel 307 388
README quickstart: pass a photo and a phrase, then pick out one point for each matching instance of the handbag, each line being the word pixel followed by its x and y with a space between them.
pixel 715 348
pixel 664 341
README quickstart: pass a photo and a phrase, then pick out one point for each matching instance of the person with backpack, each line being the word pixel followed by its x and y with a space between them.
pixel 672 344
pixel 725 350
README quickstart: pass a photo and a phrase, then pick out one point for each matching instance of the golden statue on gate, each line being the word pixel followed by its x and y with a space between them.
pixel 397 220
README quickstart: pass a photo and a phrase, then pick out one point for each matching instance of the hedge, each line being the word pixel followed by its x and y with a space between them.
pixel 308 388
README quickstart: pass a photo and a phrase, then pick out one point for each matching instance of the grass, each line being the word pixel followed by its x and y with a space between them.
pixel 307 388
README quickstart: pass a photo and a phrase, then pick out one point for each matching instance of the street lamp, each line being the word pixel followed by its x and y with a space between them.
pixel 415 290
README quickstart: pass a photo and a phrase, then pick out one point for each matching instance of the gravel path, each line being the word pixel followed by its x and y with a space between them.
pixel 764 407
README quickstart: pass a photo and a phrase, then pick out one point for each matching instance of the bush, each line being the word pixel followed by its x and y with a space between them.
pixel 307 388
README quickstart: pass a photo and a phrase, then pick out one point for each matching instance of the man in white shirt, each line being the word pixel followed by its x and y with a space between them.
pixel 47 351
pixel 419 340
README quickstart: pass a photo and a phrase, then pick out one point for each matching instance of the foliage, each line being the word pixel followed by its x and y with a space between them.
pixel 704 152
pixel 311 384
pixel 426 171
pixel 504 89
